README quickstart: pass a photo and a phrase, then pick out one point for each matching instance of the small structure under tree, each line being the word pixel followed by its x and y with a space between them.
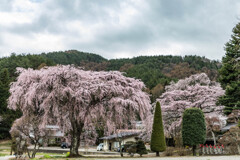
pixel 158 143
pixel 193 128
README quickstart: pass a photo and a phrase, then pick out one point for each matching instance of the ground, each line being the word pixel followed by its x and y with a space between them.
pixel 160 158
pixel 5 147
pixel 5 150
pixel 183 158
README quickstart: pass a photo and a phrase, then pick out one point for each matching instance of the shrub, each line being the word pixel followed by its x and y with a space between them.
pixel 182 151
pixel 169 151
pixel 193 128
pixel 178 141
pixel 141 148
pixel 68 154
pixel 127 145
pixel 233 150
pixel 158 142
pixel 230 140
pixel 132 149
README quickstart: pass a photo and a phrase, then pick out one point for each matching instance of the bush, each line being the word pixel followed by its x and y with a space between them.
pixel 141 148
pixel 169 152
pixel 127 145
pixel 68 154
pixel 178 141
pixel 193 128
pixel 233 150
pixel 132 149
pixel 182 151
pixel 230 140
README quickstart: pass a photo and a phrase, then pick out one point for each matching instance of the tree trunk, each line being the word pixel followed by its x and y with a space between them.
pixel 75 136
pixel 194 150
pixel 214 138
pixel 157 154
pixel 75 143
pixel 120 145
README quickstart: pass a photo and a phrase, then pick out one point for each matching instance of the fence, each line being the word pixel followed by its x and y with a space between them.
pixel 211 150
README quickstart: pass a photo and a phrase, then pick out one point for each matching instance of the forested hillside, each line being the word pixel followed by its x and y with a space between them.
pixel 8 74
pixel 155 71
pixel 72 57
pixel 23 60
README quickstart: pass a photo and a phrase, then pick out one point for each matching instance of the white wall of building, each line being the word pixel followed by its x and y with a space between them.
pixel 115 144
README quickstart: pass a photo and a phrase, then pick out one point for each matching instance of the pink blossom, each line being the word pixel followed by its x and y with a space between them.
pixel 73 98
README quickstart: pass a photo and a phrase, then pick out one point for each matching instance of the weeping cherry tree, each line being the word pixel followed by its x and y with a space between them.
pixel 80 101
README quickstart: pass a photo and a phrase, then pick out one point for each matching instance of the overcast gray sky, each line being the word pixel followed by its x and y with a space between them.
pixel 118 28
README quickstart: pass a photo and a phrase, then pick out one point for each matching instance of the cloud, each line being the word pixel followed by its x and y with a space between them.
pixel 120 28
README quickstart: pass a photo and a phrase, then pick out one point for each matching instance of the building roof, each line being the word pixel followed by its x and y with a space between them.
pixel 52 126
pixel 228 126
pixel 121 135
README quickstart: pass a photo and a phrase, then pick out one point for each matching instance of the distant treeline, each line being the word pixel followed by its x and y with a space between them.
pixel 155 71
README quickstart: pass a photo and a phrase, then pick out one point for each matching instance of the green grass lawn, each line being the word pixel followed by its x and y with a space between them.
pixel 3 154
pixel 5 143
pixel 5 146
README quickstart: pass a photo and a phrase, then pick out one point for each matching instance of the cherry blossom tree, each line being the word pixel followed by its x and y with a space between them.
pixel 80 101
pixel 27 129
pixel 213 124
pixel 196 91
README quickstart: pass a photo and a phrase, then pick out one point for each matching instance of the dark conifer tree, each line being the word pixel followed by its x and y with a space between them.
pixel 158 143
pixel 230 73
pixel 193 128
pixel 4 87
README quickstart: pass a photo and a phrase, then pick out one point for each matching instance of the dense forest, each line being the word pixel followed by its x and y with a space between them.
pixel 155 71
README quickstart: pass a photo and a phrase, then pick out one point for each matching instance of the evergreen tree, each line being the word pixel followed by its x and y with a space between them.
pixel 4 87
pixel 193 128
pixel 4 94
pixel 141 148
pixel 8 116
pixel 230 73
pixel 158 143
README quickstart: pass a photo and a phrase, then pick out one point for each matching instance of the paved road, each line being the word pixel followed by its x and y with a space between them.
pixel 91 151
pixel 6 157
pixel 162 158
pixel 183 158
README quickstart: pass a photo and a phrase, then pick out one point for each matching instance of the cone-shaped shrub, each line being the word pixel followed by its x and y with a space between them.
pixel 141 149
pixel 193 128
pixel 158 143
